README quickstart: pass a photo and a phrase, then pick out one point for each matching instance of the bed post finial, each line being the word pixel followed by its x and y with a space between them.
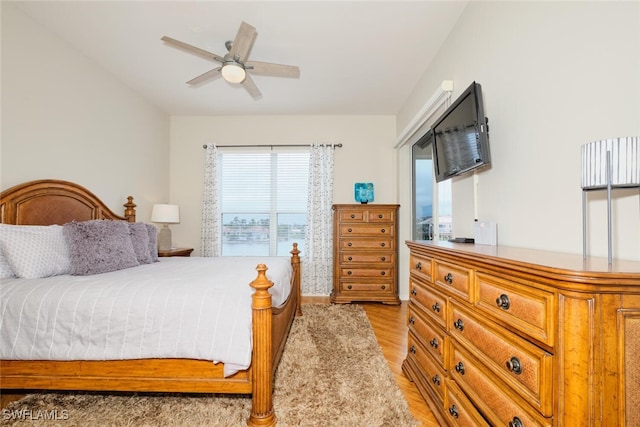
pixel 262 413
pixel 130 210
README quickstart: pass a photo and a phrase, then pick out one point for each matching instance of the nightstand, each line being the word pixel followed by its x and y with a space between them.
pixel 176 252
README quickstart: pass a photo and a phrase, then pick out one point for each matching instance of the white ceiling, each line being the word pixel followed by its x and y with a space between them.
pixel 360 57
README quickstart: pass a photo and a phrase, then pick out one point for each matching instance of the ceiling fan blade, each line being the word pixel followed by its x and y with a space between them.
pixel 243 42
pixel 192 49
pixel 271 69
pixel 209 75
pixel 251 87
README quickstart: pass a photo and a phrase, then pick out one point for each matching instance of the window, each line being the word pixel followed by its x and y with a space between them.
pixel 424 187
pixel 263 200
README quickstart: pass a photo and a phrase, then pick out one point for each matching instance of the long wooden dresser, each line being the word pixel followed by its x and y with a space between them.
pixel 365 248
pixel 518 337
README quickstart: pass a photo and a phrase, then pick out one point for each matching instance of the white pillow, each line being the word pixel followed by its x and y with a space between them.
pixel 35 251
pixel 5 268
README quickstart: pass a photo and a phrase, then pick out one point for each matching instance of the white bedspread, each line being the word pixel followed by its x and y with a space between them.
pixel 197 308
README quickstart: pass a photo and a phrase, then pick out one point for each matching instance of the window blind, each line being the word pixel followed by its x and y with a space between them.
pixel 263 201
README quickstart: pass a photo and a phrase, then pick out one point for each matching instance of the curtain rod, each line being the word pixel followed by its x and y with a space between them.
pixel 271 145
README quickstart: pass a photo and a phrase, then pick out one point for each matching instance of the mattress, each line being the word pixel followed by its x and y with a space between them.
pixel 195 308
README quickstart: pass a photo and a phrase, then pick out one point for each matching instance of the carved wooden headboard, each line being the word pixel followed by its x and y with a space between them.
pixel 50 201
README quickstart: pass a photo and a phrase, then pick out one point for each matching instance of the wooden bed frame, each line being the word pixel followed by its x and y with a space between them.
pixel 46 202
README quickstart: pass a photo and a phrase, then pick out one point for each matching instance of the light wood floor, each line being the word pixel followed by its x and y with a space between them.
pixel 390 326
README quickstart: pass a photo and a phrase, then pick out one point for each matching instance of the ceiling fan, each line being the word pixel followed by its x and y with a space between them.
pixel 235 65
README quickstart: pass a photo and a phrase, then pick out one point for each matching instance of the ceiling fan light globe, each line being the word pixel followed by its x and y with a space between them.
pixel 233 73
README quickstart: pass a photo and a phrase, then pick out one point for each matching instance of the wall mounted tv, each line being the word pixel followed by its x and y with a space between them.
pixel 460 137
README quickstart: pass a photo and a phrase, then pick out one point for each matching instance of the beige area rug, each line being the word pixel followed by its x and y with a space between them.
pixel 332 373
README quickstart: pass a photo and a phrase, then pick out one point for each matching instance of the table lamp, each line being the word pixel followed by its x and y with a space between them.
pixel 165 215
pixel 608 164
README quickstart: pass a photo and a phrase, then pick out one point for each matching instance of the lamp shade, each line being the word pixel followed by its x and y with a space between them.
pixel 166 214
pixel 233 73
pixel 624 155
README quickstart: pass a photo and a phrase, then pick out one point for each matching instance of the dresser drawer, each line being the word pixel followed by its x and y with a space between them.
pixel 367 243
pixel 432 372
pixel 378 258
pixel 432 302
pixel 455 279
pixel 433 338
pixel 381 215
pixel 528 369
pixel 375 285
pixel 459 411
pixel 377 272
pixel 348 215
pixel 527 309
pixel 496 402
pixel 366 230
pixel 420 266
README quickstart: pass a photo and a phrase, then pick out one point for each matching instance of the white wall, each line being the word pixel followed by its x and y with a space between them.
pixel 555 75
pixel 367 155
pixel 64 117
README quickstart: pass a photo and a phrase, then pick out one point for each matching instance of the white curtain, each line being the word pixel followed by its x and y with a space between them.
pixel 317 259
pixel 210 236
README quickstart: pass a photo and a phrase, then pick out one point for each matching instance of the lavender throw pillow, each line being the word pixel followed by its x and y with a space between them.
pixel 99 246
pixel 153 242
pixel 140 240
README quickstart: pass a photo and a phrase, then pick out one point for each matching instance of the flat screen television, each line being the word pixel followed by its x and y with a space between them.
pixel 460 137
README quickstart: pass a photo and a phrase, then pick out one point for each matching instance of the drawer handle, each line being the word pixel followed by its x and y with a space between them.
pixel 383 273
pixel 349 273
pixel 434 343
pixel 436 307
pixel 503 302
pixel 382 244
pixel 514 365
pixel 353 216
pixel 419 266
pixel 379 216
pixel 516 422
pixel 414 292
pixel 349 287
pixel 383 259
pixel 350 258
pixel 413 349
pixel 349 244
pixel 448 278
pixel 453 411
pixel 412 320
pixel 460 368
pixel 349 230
pixel 459 324
pixel 383 230
pixel 383 287
pixel 436 380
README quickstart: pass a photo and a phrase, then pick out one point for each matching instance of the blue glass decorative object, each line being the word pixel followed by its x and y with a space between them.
pixel 364 192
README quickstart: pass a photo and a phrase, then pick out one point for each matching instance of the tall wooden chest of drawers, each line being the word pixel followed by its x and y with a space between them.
pixel 365 253
pixel 517 337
